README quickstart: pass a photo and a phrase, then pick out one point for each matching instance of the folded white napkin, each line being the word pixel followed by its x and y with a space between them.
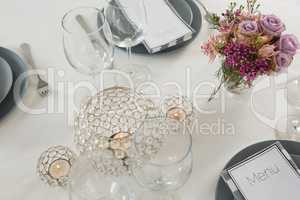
pixel 164 27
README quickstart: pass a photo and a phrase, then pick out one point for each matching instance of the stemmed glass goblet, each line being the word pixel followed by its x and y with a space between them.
pixel 86 40
pixel 164 147
pixel 288 127
pixel 128 25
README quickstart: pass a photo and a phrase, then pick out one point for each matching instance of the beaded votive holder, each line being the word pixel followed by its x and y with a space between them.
pixel 54 165
pixel 177 107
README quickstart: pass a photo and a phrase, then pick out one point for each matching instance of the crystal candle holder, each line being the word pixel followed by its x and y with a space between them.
pixel 108 120
pixel 54 165
pixel 177 108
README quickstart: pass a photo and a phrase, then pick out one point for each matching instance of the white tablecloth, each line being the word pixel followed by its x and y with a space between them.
pixel 24 136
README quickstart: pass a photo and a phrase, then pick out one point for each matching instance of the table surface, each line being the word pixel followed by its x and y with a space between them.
pixel 24 136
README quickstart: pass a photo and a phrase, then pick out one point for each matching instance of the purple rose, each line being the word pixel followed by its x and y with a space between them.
pixel 289 44
pixel 248 27
pixel 283 60
pixel 272 25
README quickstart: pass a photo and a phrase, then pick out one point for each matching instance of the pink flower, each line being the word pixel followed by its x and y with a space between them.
pixel 249 16
pixel 225 27
pixel 283 60
pixel 248 28
pixel 267 51
pixel 272 25
pixel 209 50
pixel 289 44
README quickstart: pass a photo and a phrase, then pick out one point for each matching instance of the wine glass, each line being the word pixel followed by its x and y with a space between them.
pixel 128 25
pixel 88 183
pixel 86 40
pixel 288 127
pixel 164 148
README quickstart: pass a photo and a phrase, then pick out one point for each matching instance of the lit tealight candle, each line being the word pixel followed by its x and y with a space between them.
pixel 123 139
pixel 59 169
pixel 120 136
pixel 176 113
pixel 54 165
pixel 120 144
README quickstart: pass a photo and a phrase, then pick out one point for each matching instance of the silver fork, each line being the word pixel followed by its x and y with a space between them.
pixel 42 87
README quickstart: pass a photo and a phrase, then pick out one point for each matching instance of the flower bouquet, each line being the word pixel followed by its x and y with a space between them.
pixel 250 45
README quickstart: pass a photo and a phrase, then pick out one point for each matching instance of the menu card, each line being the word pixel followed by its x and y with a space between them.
pixel 164 28
pixel 268 175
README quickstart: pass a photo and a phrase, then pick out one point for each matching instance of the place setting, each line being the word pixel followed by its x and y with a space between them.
pixel 129 145
pixel 133 27
pixel 22 85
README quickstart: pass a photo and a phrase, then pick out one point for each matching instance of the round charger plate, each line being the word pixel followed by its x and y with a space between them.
pixel 224 193
pixel 183 8
pixel 6 78
pixel 18 67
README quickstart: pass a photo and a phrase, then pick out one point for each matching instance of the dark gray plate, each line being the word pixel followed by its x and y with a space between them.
pixel 6 78
pixel 18 67
pixel 224 193
pixel 183 9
